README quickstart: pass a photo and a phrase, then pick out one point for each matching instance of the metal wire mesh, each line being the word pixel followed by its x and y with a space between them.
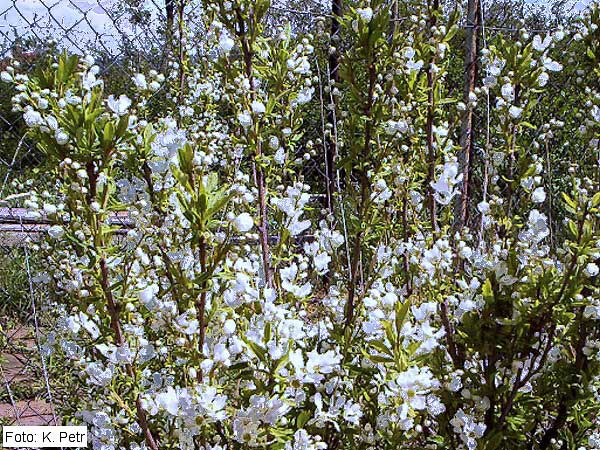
pixel 26 397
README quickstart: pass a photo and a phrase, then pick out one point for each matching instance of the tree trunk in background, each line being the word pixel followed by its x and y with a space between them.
pixel 461 212
pixel 170 11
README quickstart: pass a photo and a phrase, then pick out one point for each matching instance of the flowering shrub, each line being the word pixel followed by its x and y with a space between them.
pixel 236 311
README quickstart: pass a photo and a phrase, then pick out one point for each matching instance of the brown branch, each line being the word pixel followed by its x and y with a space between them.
pixel 201 304
pixel 113 312
pixel 431 157
pixel 263 229
pixel 466 138
pixel 334 78
pixel 364 196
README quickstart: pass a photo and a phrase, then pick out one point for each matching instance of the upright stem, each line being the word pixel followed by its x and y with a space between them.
pixel 465 155
pixel 113 308
pixel 181 8
pixel 201 304
pixel 334 78
pixel 170 13
pixel 113 312
pixel 431 157
pixel 263 229
pixel 364 196
pixel 512 161
pixel 111 305
pixel 393 21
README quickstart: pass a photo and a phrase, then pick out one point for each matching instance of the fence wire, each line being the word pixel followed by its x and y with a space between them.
pixel 26 397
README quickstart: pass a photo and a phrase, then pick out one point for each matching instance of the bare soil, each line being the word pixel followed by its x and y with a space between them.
pixel 21 401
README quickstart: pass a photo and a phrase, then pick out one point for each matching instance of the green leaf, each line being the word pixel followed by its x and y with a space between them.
pixel 573 228
pixel 108 135
pixel 302 419
pixel 122 126
pixel 401 313
pixel 260 352
pixel 203 203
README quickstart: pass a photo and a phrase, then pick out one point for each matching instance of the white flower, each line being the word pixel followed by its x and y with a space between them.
pixel 559 35
pixel 279 156
pixel 591 270
pixel 243 222
pixel 467 428
pixel 365 14
pixel 56 231
pixel 89 79
pixel 393 127
pixel 483 207
pixel 540 45
pixel 98 374
pixel 352 413
pixel 515 112
pixel 550 65
pixel 495 67
pixel 300 65
pixel 52 122
pixel 221 354
pixel 596 113
pixel 245 119
pixel 543 79
pixel 305 95
pixel 414 386
pixel 169 401
pixel 119 106
pixel 42 103
pixel 304 441
pixel 73 324
pixel 147 294
pixel 537 228
pixel 322 260
pixel 61 137
pixel 49 208
pixel 414 66
pixel 538 195
pixel 258 107
pixel 6 77
pixel 226 43
pixel 32 118
pixel 274 142
pixel 288 276
pixel 508 92
pixel 213 404
pixel 229 327
pixel 140 81
pixel 322 363
pixel 447 180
